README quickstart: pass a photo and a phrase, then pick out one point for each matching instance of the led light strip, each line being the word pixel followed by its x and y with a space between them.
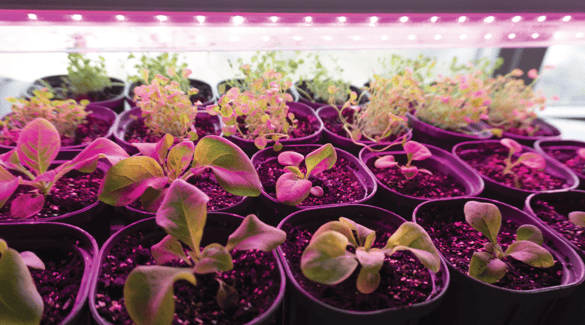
pixel 83 31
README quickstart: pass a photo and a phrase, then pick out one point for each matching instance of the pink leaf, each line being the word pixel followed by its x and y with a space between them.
pixel 291 190
pixel 511 144
pixel 418 151
pixel 26 206
pixel 290 158
pixel 581 153
pixel 38 145
pixel 385 162
pixel 86 160
pixel 533 74
pixel 7 188
pixel 409 172
pixel 317 191
pixel 133 191
pixel 10 159
pixel 157 151
pixel 46 177
pixel 260 142
pixel 532 160
pixel 426 171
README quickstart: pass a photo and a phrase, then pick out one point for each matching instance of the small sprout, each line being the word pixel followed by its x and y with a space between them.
pixel 36 148
pixel 293 187
pixel 20 300
pixel 528 159
pixel 326 259
pixel 414 151
pixel 488 266
pixel 577 218
pixel 165 64
pixel 85 76
pixel 148 176
pixel 183 214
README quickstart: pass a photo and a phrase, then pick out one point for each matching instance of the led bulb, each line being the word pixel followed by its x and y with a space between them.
pixel 76 17
pixel 512 36
pixel 438 37
pixel 200 19
pixel 161 17
pixel 403 19
pixel 356 38
pixel 373 20
pixel 434 19
pixel 535 35
pixel 516 19
pixel 327 38
pixel 487 36
pixel 266 38
pixel 32 16
pixel 489 19
pixel 566 18
pixel 384 37
pixel 274 19
pixel 297 38
pixel 463 36
pixel 120 17
pixel 238 20
pixel 411 37
pixel 541 18
pixel 579 34
pixel 341 19
pixel 308 19
pixel 462 19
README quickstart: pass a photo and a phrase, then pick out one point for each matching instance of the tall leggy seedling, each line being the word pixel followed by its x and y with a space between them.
pixel 414 151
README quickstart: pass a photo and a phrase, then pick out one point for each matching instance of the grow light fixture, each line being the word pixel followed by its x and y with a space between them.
pixel 91 31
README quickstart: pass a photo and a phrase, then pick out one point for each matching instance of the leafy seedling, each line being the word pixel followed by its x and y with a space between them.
pixel 294 186
pixel 414 151
pixel 36 148
pixel 326 259
pixel 488 265
pixel 148 176
pixel 148 291
pixel 528 159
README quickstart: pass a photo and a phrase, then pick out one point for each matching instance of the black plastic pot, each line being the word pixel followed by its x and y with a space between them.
pixel 561 151
pixel 69 152
pixel 302 308
pixel 315 104
pixel 470 301
pixel 444 139
pixel 50 236
pixel 272 211
pixel 528 140
pixel 217 229
pixel 440 160
pixel 511 195
pixel 204 89
pixel 116 103
pixel 127 118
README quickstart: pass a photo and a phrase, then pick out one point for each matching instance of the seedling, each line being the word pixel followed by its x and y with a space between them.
pixel 528 159
pixel 414 151
pixel 65 115
pixel 36 148
pixel 148 176
pixel 20 301
pixel 85 76
pixel 148 291
pixel 262 108
pixel 166 108
pixel 421 67
pixel 324 84
pixel 483 67
pixel 488 265
pixel 161 65
pixel 326 259
pixel 293 187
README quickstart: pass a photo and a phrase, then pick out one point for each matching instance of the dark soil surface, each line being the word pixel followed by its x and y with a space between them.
pixel 94 128
pixel 457 241
pixel 304 127
pixel 205 93
pixel 436 186
pixel 404 280
pixel 254 276
pixel 339 183
pixel 72 192
pixel 58 284
pixel 137 132
pixel 555 213
pixel 488 159
pixel 106 94
pixel 206 182
pixel 568 157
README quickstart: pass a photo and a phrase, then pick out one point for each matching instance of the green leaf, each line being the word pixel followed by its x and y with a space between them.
pixel 338 226
pixel 321 159
pixel 20 302
pixel 230 165
pixel 38 145
pixel 531 233
pixel 412 237
pixel 577 218
pixel 157 151
pixel 295 170
pixel 179 158
pixel 148 293
pixel 371 262
pixel 326 260
pixel 485 218
pixel 486 268
pixel 365 235
pixel 129 178
pixel 227 297
pixel 168 250
pixel 254 234
pixel 531 254
pixel 214 258
pixel 183 213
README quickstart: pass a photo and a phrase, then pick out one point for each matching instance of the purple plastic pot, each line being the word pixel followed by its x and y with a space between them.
pixel 297 109
pixel 470 301
pixel 316 105
pixel 426 133
pixel 344 142
pixel 116 103
pixel 565 150
pixel 510 195
pixel 273 211
pixel 440 160
pixel 49 236
pixel 570 309
pixel 303 308
pixel 69 152
pixel 127 118
pixel 217 229
pixel 529 140
pixel 203 87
